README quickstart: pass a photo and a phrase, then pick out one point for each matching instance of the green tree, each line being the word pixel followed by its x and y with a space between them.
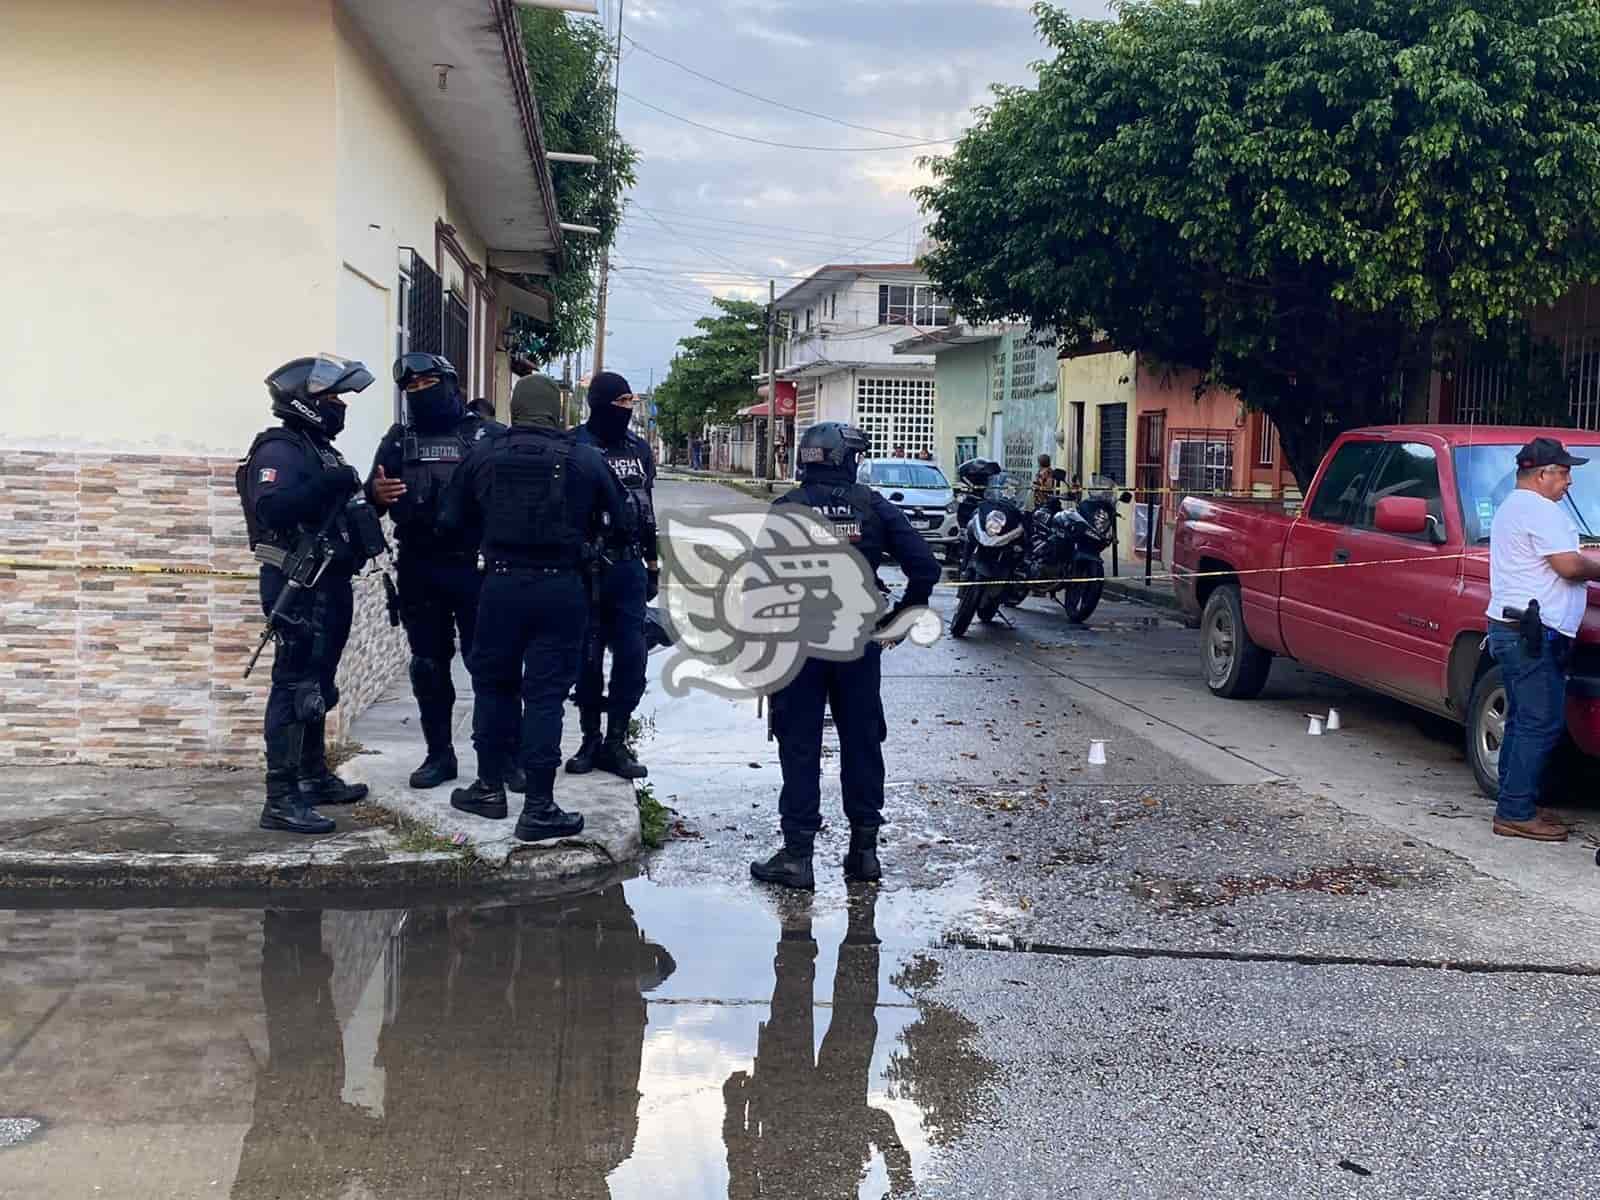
pixel 570 63
pixel 714 369
pixel 1297 199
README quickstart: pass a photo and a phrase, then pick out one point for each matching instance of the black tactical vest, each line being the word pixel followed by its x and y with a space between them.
pixel 847 510
pixel 627 463
pixel 428 461
pixel 525 511
pixel 284 539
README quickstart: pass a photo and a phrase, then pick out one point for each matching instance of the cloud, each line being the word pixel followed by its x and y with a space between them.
pixel 777 37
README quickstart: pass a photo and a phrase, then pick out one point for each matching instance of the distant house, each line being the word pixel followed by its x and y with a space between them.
pixel 198 192
pixel 843 322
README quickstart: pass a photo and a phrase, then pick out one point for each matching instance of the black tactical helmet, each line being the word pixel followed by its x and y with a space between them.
pixel 832 446
pixel 302 390
pixel 408 366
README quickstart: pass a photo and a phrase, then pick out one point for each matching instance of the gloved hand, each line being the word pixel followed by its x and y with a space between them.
pixel 340 482
pixel 652 581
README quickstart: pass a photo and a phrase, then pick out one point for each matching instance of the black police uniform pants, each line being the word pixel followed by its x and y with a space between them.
pixel 850 690
pixel 529 639
pixel 615 623
pixel 308 656
pixel 438 598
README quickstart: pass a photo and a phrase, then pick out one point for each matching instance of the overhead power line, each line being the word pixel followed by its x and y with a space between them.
pixel 780 104
pixel 681 213
pixel 781 145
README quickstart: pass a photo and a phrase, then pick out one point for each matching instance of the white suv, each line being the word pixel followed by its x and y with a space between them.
pixel 919 490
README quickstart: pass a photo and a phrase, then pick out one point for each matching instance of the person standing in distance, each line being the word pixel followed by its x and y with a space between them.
pixel 539 500
pixel 437 572
pixel 625 587
pixel 1534 555
pixel 828 454
pixel 290 484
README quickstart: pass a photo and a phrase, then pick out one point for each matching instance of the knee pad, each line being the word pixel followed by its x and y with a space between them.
pixel 308 702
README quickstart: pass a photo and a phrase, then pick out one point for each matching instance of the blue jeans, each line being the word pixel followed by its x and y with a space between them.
pixel 1536 716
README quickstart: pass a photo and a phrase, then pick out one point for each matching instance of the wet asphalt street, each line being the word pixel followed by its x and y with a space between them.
pixel 1209 968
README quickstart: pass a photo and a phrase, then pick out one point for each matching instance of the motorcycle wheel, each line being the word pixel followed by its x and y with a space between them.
pixel 1081 599
pixel 965 608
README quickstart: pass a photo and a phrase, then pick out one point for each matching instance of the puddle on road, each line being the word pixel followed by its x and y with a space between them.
pixel 637 1041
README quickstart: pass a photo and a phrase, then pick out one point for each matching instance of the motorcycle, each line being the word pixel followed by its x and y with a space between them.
pixel 994 549
pixel 1062 545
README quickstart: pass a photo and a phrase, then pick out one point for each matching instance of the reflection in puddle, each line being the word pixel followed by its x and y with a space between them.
pixel 638 1041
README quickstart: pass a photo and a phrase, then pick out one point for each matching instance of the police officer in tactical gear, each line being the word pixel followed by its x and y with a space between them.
pixel 626 585
pixel 438 572
pixel 294 484
pixel 828 455
pixel 539 498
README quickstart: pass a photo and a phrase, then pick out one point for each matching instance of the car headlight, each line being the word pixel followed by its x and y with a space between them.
pixel 950 508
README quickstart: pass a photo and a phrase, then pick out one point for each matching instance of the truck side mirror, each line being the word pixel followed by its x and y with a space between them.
pixel 1406 515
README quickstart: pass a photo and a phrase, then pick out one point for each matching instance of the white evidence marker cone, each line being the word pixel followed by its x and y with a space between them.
pixel 1097 754
pixel 1334 724
pixel 1314 729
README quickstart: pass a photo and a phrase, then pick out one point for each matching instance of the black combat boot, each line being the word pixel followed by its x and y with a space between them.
pixel 583 761
pixel 861 863
pixel 440 765
pixel 789 867
pixel 286 809
pixel 541 817
pixel 615 758
pixel 487 800
pixel 318 784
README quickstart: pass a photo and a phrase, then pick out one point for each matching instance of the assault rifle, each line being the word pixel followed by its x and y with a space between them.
pixel 302 567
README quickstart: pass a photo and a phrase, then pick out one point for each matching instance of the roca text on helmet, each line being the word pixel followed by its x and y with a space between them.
pixel 833 447
pixel 302 390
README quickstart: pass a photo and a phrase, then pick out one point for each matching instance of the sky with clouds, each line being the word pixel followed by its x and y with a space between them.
pixel 715 215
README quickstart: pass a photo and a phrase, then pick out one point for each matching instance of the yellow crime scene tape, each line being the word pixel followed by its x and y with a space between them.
pixel 133 568
pixel 1139 493
pixel 120 568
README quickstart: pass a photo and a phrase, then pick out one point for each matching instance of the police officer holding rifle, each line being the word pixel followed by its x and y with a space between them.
pixel 311 530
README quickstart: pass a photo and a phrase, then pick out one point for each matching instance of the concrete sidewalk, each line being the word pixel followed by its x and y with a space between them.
pixel 196 829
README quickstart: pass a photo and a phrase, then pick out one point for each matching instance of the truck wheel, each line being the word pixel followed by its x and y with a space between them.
pixel 1486 730
pixel 1236 668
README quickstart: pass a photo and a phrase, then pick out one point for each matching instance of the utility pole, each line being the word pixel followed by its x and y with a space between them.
pixel 605 259
pixel 772 380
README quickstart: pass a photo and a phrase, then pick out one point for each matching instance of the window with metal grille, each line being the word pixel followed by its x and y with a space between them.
pixel 966 449
pixel 1113 463
pixel 896 413
pixel 457 327
pixel 1205 462
pixel 425 309
pixel 1266 441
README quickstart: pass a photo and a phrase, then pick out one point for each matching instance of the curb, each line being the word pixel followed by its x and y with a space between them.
pixel 1137 592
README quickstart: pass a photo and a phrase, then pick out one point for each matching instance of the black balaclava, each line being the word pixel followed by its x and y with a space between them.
pixel 332 414
pixel 435 408
pixel 606 421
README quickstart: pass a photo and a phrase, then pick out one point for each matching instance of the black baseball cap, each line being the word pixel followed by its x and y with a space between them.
pixel 1546 452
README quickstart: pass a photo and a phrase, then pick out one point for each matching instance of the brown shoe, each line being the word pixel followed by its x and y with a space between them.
pixel 1555 818
pixel 1538 830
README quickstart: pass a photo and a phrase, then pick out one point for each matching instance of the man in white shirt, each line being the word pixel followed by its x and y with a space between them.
pixel 1534 555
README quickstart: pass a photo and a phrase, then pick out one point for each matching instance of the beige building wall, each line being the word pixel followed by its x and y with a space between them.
pixel 1096 380
pixel 150 288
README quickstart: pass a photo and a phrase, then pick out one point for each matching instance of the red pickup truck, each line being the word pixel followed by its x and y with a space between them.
pixel 1404 511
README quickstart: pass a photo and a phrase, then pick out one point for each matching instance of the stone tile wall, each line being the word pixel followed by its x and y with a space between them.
pixel 109 666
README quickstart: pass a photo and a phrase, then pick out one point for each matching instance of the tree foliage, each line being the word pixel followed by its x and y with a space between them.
pixel 1297 199
pixel 570 63
pixel 714 369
